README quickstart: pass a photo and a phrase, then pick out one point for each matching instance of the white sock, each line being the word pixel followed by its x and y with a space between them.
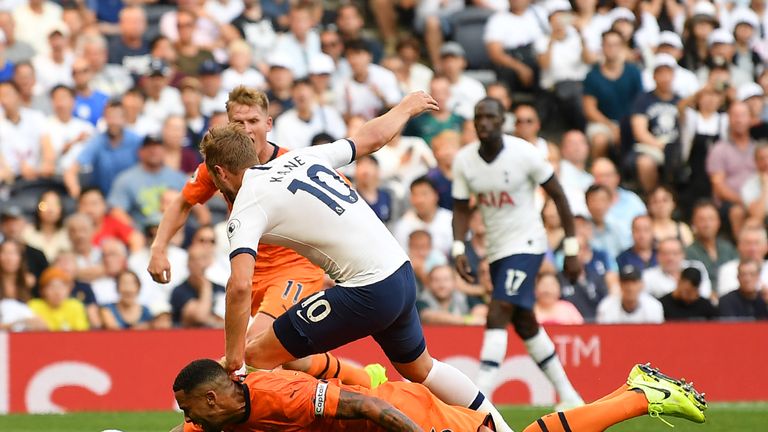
pixel 451 386
pixel 491 357
pixel 542 350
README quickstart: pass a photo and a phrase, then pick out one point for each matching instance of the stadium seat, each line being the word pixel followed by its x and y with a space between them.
pixel 26 193
pixel 468 27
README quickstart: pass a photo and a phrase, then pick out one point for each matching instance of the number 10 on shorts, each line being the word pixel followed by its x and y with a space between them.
pixel 515 278
pixel 315 308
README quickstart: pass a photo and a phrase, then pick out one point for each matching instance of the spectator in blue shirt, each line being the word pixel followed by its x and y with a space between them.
pixel 89 103
pixel 642 254
pixel 193 302
pixel 108 153
pixel 6 65
pixel 625 205
pixel 445 145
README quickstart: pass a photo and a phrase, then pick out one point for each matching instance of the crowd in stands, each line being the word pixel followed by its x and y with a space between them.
pixel 652 113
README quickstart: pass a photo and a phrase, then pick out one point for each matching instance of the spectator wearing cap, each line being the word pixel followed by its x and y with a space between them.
pixel 214 96
pixel 65 135
pixel 427 215
pixel 745 303
pixel 703 21
pixel 129 49
pixel 6 65
pixel 721 53
pixel 745 23
pixel 21 153
pixel 431 123
pixel 135 194
pixel 240 71
pixel 255 28
pixel 609 90
pixel 35 20
pixel 369 89
pixel 574 149
pixel 127 312
pixel 108 153
pixel 752 244
pixel 133 107
pixel 754 191
pixel 321 69
pixel 161 48
pixel 466 91
pixel 605 236
pixel 15 50
pixel 295 128
pixel 162 100
pixel 54 66
pixel 564 62
pixel 55 306
pixel 180 155
pixel 110 79
pixel 633 305
pixel 189 55
pixel 753 95
pixel 549 308
pixel 662 279
pixel 709 248
pixel 433 21
pixel 445 145
pixel 205 31
pixel 509 37
pixel 685 303
pixel 191 98
pixel 350 24
pixel 368 185
pixel 684 83
pixel 642 254
pixel 89 103
pixel 301 42
pixel 625 204
pixel 730 163
pixel 656 128
pixel 418 76
pixel 280 84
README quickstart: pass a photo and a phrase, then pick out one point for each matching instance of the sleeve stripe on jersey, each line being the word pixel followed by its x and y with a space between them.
pixel 320 395
pixel 354 149
pixel 239 251
pixel 549 178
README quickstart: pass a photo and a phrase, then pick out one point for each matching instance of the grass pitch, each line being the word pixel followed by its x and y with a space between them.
pixel 720 418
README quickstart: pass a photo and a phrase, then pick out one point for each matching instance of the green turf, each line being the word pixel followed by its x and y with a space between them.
pixel 721 418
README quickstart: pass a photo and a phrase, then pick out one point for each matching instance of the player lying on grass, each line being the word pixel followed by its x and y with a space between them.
pixel 300 202
pixel 293 401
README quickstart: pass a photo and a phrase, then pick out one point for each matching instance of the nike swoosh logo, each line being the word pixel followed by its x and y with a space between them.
pixel 666 392
pixel 298 312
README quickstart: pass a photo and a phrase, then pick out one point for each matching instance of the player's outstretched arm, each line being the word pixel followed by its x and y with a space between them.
pixel 374 134
pixel 359 406
pixel 174 218
pixel 238 310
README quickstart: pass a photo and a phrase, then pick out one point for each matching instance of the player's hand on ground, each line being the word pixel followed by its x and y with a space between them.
pixel 572 268
pixel 417 102
pixel 462 266
pixel 159 267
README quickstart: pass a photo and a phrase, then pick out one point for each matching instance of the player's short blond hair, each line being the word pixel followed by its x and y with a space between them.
pixel 248 96
pixel 230 147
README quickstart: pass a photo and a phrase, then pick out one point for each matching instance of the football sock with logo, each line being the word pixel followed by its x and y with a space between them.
pixel 491 357
pixel 596 416
pixel 451 386
pixel 328 366
pixel 542 350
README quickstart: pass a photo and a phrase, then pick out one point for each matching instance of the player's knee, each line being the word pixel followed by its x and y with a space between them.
pixel 525 324
pixel 499 314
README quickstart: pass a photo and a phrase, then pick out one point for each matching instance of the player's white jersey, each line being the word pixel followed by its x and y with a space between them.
pixel 505 190
pixel 300 202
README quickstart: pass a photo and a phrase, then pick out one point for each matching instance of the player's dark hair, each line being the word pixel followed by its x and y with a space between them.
pixel 493 101
pixel 88 190
pixel 595 188
pixel 199 372
pixel 692 275
pixel 423 180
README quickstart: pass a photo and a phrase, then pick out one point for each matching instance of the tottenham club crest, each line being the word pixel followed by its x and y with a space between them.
pixel 233 225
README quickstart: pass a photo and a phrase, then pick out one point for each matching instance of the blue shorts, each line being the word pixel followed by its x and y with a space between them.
pixel 337 316
pixel 514 279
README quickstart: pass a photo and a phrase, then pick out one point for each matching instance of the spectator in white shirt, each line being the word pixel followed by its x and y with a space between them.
pixel 426 215
pixel 295 128
pixel 240 71
pixel 751 245
pixel 370 89
pixel 110 79
pixel 684 83
pixel 418 75
pixel 466 91
pixel 509 38
pixel 35 20
pixel 65 135
pixel 162 99
pixel 632 305
pixel 135 119
pixel 20 138
pixel 114 259
pixel 55 66
pixel 224 11
pixel 206 30
pixel 573 166
pixel 662 279
pixel 301 42
pixel 31 94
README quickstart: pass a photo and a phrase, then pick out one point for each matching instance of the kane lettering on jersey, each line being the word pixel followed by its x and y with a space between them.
pixel 300 202
pixel 505 190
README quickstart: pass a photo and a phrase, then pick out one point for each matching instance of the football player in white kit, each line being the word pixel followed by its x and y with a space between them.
pixel 503 173
pixel 299 201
